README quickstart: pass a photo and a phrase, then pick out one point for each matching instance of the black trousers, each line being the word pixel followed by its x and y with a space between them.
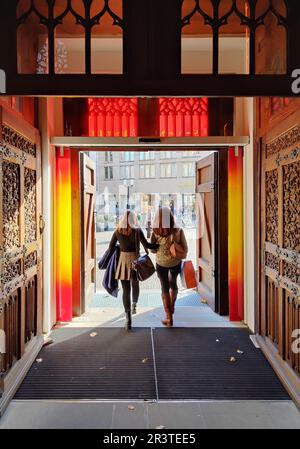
pixel 130 286
pixel 168 277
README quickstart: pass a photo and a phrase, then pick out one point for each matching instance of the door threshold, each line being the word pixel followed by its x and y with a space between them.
pixel 145 401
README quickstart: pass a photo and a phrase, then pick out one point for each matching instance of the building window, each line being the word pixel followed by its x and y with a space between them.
pixel 127 156
pixel 168 154
pixel 191 154
pixel 188 169
pixel 127 172
pixel 147 171
pixel 108 156
pixel 147 155
pixel 108 173
pixel 168 171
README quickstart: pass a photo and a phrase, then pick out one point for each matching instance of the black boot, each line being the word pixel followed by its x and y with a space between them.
pixel 133 310
pixel 128 320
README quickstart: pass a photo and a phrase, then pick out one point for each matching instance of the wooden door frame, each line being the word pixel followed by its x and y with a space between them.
pixel 22 146
pixel 222 225
pixel 268 133
pixel 141 143
pixel 219 162
pixel 210 188
pixel 81 144
pixel 83 190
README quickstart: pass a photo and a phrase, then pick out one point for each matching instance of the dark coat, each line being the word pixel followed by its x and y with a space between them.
pixel 109 263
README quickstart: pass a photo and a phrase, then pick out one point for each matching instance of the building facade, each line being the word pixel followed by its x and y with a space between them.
pixel 142 181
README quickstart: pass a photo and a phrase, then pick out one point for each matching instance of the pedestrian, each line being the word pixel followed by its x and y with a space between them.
pixel 172 249
pixel 127 234
pixel 117 213
pixel 149 222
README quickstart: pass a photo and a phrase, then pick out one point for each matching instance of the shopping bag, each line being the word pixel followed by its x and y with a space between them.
pixel 188 275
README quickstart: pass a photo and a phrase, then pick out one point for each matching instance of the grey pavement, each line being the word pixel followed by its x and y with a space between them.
pixel 190 311
pixel 143 415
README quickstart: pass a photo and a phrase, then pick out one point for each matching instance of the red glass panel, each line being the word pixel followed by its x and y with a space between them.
pixel 118 117
pixel 183 117
pixel 113 117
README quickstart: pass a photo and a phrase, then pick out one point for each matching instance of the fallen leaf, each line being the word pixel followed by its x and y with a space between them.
pixel 93 334
pixel 145 360
pixel 232 359
pixel 131 407
pixel 239 351
pixel 160 427
pixel 39 360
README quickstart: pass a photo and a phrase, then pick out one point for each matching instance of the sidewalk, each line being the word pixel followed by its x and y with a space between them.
pixel 190 312
pixel 140 415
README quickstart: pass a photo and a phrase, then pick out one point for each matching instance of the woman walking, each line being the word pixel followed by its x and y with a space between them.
pixel 128 234
pixel 168 263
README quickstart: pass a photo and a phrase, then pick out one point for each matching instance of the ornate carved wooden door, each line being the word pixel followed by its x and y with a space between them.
pixel 21 226
pixel 212 239
pixel 88 189
pixel 280 236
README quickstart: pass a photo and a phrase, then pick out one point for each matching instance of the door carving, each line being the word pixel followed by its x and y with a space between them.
pixel 280 278
pixel 20 237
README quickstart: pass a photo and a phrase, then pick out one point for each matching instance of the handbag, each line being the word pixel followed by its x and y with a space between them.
pixel 143 265
pixel 188 275
pixel 176 250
